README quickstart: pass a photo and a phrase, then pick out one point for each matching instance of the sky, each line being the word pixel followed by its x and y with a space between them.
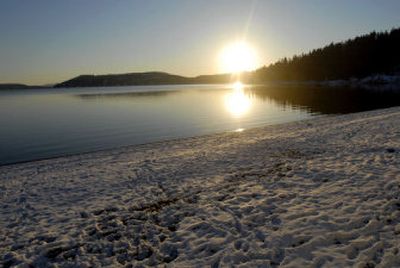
pixel 49 41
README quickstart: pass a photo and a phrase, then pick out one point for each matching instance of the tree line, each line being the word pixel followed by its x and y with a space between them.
pixel 374 53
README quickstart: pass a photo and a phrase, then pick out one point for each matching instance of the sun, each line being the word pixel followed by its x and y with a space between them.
pixel 237 57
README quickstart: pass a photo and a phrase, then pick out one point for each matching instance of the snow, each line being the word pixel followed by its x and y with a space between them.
pixel 318 192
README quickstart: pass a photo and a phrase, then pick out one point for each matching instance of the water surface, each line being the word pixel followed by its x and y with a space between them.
pixel 44 123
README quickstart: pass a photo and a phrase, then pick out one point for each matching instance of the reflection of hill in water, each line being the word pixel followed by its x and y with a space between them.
pixel 328 100
pixel 124 95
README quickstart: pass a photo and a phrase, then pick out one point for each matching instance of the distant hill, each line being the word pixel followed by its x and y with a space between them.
pixel 212 79
pixel 18 86
pixel 148 78
pixel 366 55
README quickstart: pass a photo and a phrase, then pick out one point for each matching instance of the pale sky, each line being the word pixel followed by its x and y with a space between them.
pixel 48 41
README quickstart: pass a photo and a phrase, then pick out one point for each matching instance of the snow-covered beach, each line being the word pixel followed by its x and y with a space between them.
pixel 324 191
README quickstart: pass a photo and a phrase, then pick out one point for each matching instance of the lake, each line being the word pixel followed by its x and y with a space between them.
pixel 43 123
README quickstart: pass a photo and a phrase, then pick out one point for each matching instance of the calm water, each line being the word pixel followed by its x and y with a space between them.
pixel 45 123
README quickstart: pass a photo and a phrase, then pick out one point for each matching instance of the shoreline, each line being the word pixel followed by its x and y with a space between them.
pixel 312 192
pixel 378 81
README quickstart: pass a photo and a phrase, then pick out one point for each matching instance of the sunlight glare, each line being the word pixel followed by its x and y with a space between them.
pixel 238 57
pixel 236 102
pixel 237 86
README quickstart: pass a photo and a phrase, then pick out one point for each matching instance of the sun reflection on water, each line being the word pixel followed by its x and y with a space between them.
pixel 236 101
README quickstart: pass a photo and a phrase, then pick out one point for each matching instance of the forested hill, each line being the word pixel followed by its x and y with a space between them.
pixel 153 78
pixel 370 54
pixel 9 86
pixel 148 78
